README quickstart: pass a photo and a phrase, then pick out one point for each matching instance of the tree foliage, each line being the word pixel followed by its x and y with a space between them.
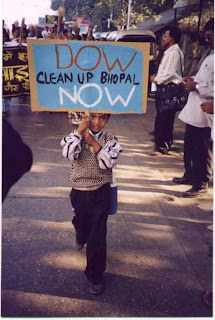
pixel 75 8
pixel 191 19
pixel 99 11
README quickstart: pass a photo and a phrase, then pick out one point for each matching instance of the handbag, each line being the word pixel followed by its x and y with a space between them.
pixel 171 96
pixel 113 196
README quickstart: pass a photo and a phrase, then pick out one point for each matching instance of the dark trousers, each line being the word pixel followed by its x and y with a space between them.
pixel 198 155
pixel 164 123
pixel 90 222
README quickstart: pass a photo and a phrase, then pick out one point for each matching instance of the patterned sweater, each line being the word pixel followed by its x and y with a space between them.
pixel 90 170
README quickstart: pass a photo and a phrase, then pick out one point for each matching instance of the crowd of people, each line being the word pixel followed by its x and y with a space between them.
pixel 45 32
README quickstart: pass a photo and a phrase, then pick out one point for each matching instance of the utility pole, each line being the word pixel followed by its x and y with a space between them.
pixel 200 13
pixel 175 17
pixel 111 15
pixel 129 14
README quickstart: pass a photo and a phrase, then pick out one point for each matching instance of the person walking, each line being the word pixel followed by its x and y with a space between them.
pixel 93 154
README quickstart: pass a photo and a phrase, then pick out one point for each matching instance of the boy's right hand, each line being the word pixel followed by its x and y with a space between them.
pixel 85 124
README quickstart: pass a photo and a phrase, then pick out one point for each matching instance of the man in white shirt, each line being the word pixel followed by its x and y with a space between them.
pixel 45 32
pixel 197 140
pixel 172 62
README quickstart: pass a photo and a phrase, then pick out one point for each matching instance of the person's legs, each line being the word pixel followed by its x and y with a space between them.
pixel 168 127
pixel 90 222
pixel 188 151
pixel 159 132
pixel 202 161
pixel 159 120
pixel 164 123
pixel 80 218
pixel 188 147
pixel 99 203
pixel 202 158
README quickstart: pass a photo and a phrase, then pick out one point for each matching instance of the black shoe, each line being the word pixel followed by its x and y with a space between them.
pixel 195 192
pixel 182 180
pixel 96 288
pixel 162 150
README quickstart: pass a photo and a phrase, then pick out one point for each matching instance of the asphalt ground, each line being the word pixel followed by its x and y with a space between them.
pixel 159 248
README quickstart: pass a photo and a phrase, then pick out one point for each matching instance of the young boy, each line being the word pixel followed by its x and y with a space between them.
pixel 93 154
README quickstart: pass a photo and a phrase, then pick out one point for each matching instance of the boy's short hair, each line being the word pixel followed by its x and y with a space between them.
pixel 108 114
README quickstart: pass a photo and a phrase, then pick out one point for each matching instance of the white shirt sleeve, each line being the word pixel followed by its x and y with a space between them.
pixel 205 78
pixel 71 146
pixel 170 64
pixel 108 155
pixel 206 89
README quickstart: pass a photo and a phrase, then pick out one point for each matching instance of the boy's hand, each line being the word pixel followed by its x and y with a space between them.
pixel 85 124
pixel 89 139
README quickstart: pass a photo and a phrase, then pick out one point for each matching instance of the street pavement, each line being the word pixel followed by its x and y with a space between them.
pixel 159 248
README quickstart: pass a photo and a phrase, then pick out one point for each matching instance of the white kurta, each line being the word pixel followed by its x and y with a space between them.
pixel 192 113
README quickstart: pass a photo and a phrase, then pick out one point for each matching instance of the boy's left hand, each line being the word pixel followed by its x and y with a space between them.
pixel 88 138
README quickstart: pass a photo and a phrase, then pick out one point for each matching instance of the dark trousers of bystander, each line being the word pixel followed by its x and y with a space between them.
pixel 198 155
pixel 164 123
pixel 90 221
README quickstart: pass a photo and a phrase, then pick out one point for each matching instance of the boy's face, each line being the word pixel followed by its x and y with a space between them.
pixel 98 121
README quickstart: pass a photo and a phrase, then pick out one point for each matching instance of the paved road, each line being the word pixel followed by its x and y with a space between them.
pixel 158 243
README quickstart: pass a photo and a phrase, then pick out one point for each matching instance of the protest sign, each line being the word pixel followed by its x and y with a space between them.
pixel 15 72
pixel 42 23
pixel 51 19
pixel 88 76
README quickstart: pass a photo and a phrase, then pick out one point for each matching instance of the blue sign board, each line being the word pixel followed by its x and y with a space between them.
pixel 93 76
